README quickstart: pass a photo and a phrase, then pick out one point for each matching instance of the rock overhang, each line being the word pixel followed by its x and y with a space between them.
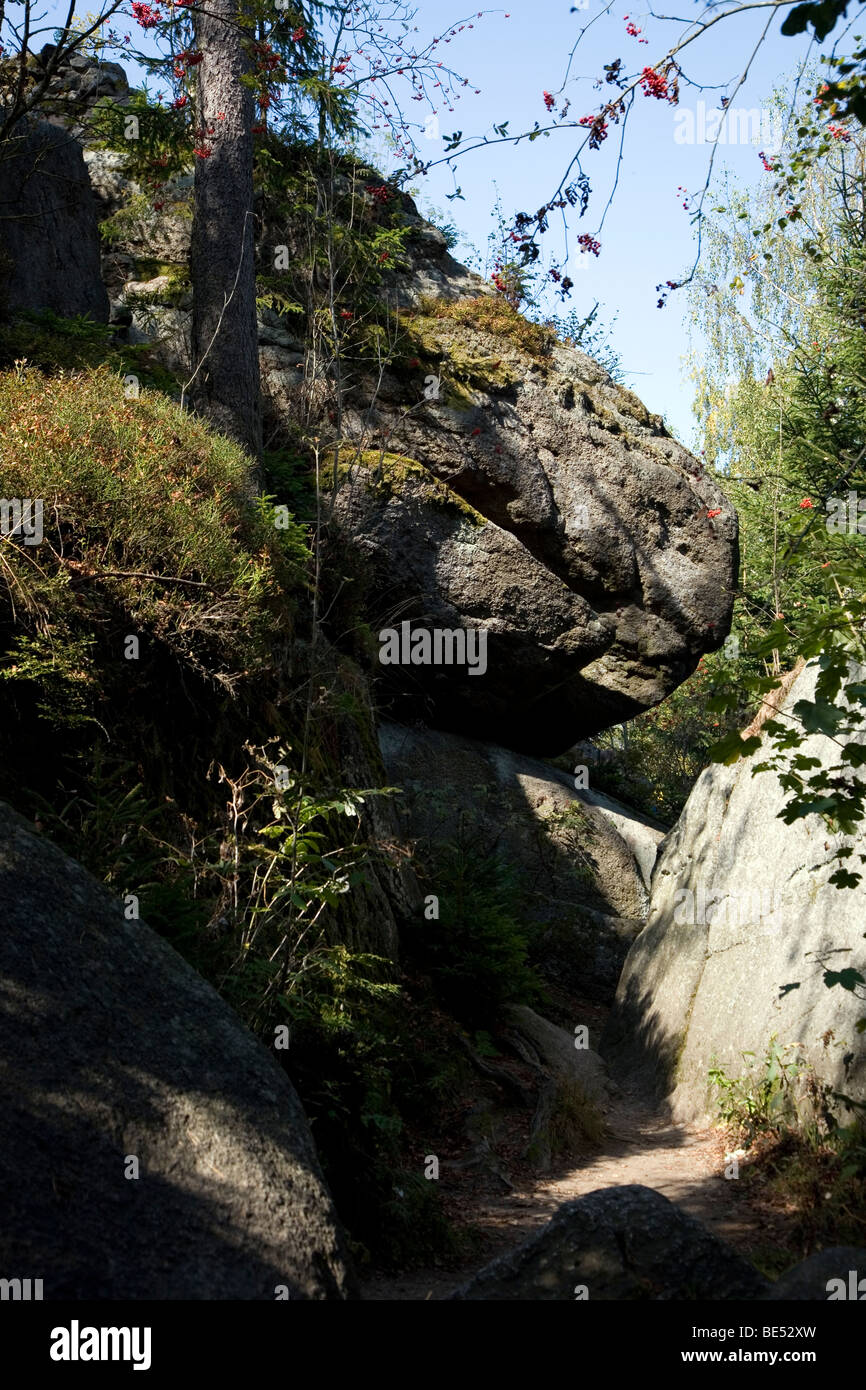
pixel 604 566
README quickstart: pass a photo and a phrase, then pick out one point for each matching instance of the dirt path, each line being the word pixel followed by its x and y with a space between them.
pixel 684 1163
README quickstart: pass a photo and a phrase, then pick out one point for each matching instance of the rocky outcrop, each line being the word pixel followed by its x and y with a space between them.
pixel 435 272
pixel 501 482
pixel 160 232
pixel 620 1243
pixel 574 854
pixel 76 86
pixel 535 501
pixel 743 925
pixel 158 314
pixel 69 92
pixel 152 1148
pixel 49 238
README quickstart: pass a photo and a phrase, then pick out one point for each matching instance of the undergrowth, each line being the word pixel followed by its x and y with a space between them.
pixel 41 339
pixel 803 1151
pixel 155 661
pixel 477 948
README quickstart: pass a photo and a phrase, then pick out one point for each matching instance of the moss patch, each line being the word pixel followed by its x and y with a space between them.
pixel 492 314
pixel 461 371
pixel 385 473
pixel 626 404
pixel 178 287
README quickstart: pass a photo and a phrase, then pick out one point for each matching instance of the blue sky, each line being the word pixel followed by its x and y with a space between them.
pixel 646 237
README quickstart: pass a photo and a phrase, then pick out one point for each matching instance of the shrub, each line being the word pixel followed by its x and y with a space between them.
pixel 477 952
pixel 146 511
pixel 42 339
pixel 799 1158
pixel 764 1097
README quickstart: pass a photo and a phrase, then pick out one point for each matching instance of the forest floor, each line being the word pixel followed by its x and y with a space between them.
pixel 499 1204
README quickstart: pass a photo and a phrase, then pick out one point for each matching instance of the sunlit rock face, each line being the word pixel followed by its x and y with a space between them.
pixel 744 927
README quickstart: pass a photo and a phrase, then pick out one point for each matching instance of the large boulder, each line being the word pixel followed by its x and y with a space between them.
pixel 743 925
pixel 152 1148
pixel 575 855
pixel 532 500
pixel 490 480
pixel 620 1243
pixel 49 239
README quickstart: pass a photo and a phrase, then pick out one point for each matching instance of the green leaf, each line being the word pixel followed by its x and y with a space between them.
pixel 822 16
pixel 732 747
pixel 799 809
pixel 818 717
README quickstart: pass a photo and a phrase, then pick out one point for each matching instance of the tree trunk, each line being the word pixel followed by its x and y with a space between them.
pixel 225 345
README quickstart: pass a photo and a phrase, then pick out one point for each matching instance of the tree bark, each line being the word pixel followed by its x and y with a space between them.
pixel 226 384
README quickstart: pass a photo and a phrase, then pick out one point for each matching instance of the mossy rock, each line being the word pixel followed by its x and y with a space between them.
pixel 385 472
pixel 460 370
pixel 146 268
pixel 493 315
pixel 486 373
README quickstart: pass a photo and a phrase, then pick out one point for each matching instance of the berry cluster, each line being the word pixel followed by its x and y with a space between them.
pixel 632 30
pixel 188 58
pixel 144 15
pixel 656 84
pixel 565 284
pixel 588 243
